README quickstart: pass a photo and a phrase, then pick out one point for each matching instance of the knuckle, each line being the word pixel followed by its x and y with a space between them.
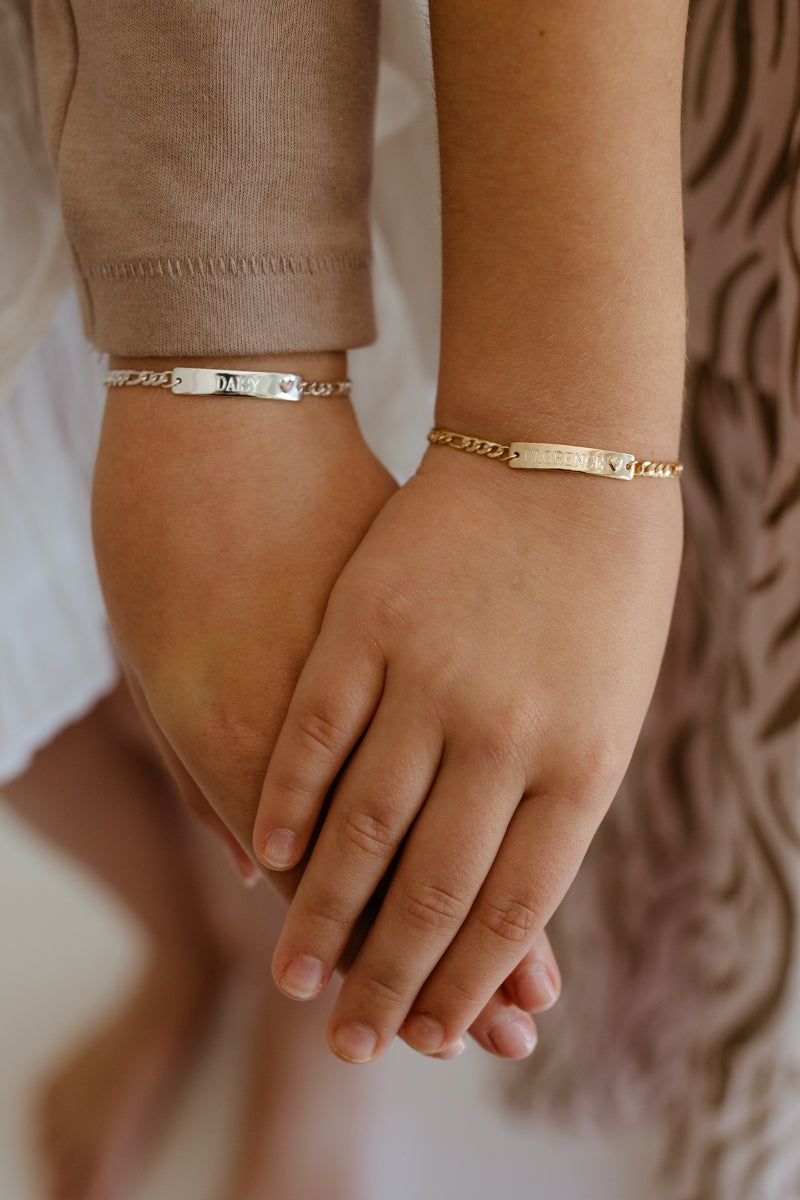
pixel 581 801
pixel 499 749
pixel 504 744
pixel 368 833
pixel 458 996
pixel 430 908
pixel 324 914
pixel 590 767
pixel 288 785
pixel 512 920
pixel 390 991
pixel 316 732
pixel 604 763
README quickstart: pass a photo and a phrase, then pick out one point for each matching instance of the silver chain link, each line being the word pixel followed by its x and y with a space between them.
pixel 138 379
pixel 340 387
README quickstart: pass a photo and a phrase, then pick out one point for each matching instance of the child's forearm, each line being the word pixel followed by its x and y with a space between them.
pixel 563 288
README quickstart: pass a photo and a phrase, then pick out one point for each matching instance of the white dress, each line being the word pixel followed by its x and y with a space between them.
pixel 56 658
pixel 55 655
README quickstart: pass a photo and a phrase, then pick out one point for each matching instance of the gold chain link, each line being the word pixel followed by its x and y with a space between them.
pixel 662 470
pixel 472 445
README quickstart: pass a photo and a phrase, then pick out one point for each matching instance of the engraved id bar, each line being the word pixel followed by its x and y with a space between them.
pixel 260 385
pixel 546 456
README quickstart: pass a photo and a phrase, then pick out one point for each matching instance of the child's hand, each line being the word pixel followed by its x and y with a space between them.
pixel 220 529
pixel 220 526
pixel 490 650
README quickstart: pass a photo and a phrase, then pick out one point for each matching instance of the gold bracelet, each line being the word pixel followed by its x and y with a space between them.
pixel 218 381
pixel 549 456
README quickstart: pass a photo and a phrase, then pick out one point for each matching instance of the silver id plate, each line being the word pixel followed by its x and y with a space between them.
pixel 259 385
pixel 547 456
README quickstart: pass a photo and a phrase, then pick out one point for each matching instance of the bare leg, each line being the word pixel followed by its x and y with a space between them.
pixel 98 793
pixel 301 1133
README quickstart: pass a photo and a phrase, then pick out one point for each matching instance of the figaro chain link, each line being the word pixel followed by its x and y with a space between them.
pixel 138 379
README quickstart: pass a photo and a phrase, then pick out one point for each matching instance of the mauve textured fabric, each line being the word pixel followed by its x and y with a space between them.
pixel 680 941
pixel 213 164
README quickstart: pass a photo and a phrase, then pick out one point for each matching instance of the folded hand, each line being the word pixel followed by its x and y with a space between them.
pixel 473 699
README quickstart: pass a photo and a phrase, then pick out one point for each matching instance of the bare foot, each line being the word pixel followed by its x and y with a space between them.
pixel 105 1105
pixel 302 1133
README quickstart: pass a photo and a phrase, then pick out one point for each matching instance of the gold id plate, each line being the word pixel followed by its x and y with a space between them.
pixel 546 456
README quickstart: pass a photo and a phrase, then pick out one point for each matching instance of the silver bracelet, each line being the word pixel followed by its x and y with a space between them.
pixel 216 381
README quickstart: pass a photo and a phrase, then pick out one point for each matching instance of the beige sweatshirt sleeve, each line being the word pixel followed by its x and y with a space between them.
pixel 213 160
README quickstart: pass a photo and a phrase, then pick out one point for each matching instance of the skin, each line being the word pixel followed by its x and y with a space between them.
pixel 220 527
pixel 489 652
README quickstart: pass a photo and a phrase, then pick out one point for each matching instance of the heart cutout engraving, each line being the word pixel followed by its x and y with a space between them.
pixel 286 385
pixel 615 462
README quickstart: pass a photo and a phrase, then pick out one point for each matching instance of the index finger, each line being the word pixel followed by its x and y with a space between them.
pixel 337 694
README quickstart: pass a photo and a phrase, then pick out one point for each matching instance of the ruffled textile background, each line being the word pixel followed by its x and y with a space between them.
pixel 679 940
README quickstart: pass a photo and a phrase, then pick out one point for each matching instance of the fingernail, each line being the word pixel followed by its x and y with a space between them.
pixel 454 1051
pixel 250 874
pixel 246 871
pixel 423 1033
pixel 537 991
pixel 356 1043
pixel 279 849
pixel 513 1039
pixel 303 977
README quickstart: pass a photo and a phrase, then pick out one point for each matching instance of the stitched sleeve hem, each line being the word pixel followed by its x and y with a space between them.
pixel 240 304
